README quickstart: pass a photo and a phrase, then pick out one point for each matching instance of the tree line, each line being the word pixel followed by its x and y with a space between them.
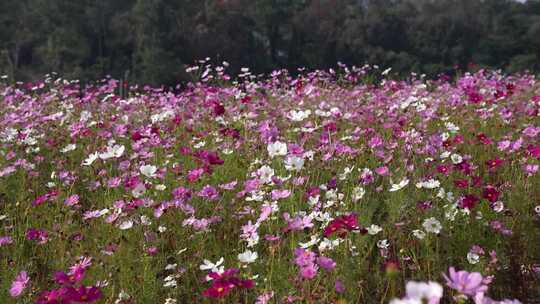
pixel 152 41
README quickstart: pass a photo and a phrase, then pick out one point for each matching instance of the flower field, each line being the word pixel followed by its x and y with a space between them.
pixel 340 186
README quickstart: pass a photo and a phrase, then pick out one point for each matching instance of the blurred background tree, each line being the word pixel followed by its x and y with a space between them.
pixel 153 40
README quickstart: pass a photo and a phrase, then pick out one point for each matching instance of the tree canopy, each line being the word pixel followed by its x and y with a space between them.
pixel 151 41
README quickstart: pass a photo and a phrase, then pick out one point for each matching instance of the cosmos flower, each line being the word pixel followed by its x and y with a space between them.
pixel 5 240
pixel 19 284
pixel 114 151
pixel 207 265
pixel 430 291
pixel 265 174
pixel 298 115
pixel 224 282
pixel 247 257
pixel 464 282
pixel 468 201
pixel 432 225
pixel 308 272
pixel 373 229
pixel 493 164
pixel 277 148
pixel 341 225
pixel 294 163
pixel 491 194
pixel 326 263
pixel 148 171
pixel 429 184
pixel 399 186
pixel 280 194
pixel 72 200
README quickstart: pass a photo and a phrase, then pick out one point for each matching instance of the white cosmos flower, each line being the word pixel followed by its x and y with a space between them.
pixel 207 265
pixel 148 171
pixel 429 184
pixel 313 200
pixel 313 241
pixel 161 116
pixel 126 225
pixel 247 257
pixel 90 159
pixel 419 234
pixel 346 172
pixel 327 244
pixel 358 193
pixel 85 116
pixel 451 127
pixel 68 148
pixel 383 244
pixel 473 258
pixel 432 225
pixel 253 240
pixel 374 229
pixel 277 148
pixel 399 186
pixel 171 266
pixel 170 301
pixel 451 212
pixel 145 220
pixel 445 154
pixel 298 115
pixel 265 174
pixel 113 152
pixel 421 290
pixel 170 281
pixel 498 206
pixel 456 159
pixel 294 163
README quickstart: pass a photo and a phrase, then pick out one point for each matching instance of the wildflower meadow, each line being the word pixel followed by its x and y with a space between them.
pixel 330 186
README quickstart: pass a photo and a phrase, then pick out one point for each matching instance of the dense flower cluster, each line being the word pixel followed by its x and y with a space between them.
pixel 328 186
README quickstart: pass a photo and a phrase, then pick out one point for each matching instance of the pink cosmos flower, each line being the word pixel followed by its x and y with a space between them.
pixel 19 284
pixel 383 171
pixel 279 194
pixel 464 282
pixel 339 286
pixel 530 169
pixel 5 240
pixel 209 192
pixel 304 257
pixel 326 263
pixel 297 223
pixel 265 298
pixel 72 200
pixel 308 271
pixel 195 174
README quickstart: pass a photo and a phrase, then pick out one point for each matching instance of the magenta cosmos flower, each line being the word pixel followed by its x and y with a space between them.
pixel 342 225
pixel 223 283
